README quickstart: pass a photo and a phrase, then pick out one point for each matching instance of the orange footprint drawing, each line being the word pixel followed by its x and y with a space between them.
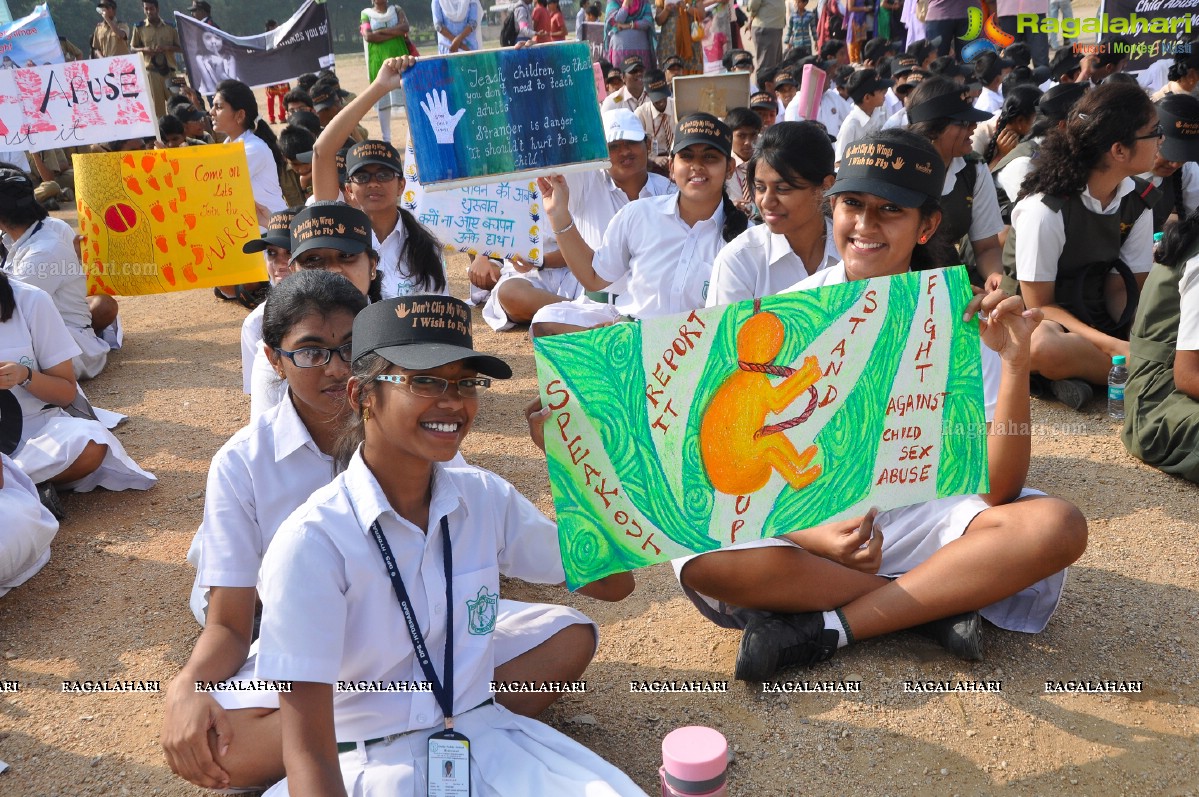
pixel 157 211
pixel 739 449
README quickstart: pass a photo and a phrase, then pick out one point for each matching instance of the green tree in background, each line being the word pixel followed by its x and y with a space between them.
pixel 76 19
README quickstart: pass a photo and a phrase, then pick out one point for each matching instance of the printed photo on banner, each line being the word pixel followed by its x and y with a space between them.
pixel 499 220
pixel 30 41
pixel 506 114
pixel 74 104
pixel 714 94
pixel 300 45
pixel 755 419
pixel 166 220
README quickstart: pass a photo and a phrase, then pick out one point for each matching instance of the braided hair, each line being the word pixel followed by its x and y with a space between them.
pixel 1020 103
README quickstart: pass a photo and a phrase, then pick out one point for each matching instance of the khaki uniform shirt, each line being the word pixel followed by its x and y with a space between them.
pixel 160 35
pixel 106 43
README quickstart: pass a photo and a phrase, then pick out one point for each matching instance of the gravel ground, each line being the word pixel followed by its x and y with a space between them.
pixel 112 605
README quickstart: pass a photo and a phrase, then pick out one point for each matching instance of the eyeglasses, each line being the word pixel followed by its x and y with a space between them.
pixel 381 176
pixel 962 122
pixel 434 386
pixel 316 356
pixel 1156 132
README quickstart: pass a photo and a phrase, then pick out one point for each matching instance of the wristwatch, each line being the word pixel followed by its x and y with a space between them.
pixel 28 379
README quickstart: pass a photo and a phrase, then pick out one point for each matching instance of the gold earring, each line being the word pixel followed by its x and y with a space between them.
pixel 366 414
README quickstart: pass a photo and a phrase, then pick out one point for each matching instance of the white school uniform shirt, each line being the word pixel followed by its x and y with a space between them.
pixel 27 530
pixel 398 279
pixel 856 126
pixel 1188 321
pixel 35 336
pixel 989 101
pixel 251 344
pixel 1011 177
pixel 892 103
pixel 760 263
pixel 44 256
pixel 330 612
pixel 621 98
pixel 1155 75
pixel 659 125
pixel 985 218
pixel 264 174
pixel 1041 235
pixel 833 110
pixel 595 200
pixel 256 480
pixel 736 184
pixel 667 264
pixel 898 119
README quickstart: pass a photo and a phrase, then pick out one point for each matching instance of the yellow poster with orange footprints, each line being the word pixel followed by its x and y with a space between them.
pixel 165 220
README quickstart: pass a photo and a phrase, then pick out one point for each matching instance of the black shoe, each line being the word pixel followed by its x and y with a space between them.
pixel 1074 393
pixel 961 635
pixel 776 641
pixel 1039 386
pixel 48 495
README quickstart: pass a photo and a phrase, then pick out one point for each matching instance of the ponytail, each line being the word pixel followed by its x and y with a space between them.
pixel 263 131
pixel 422 252
pixel 735 220
pixel 1178 241
pixel 8 301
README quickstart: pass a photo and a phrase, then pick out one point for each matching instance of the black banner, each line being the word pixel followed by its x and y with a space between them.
pixel 1154 29
pixel 300 45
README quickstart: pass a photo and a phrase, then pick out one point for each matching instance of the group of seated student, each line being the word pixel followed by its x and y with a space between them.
pixel 1050 192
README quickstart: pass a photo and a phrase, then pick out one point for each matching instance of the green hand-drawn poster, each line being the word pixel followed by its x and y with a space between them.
pixel 694 432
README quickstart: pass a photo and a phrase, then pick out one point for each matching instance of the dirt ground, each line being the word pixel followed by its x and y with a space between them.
pixel 112 605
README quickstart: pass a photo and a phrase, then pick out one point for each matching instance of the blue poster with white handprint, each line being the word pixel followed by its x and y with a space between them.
pixel 483 117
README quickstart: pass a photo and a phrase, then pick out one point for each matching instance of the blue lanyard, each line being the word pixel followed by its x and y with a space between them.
pixel 443 691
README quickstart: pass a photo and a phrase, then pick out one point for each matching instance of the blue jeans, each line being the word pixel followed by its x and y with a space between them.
pixel 949 30
pixel 1059 8
pixel 1038 43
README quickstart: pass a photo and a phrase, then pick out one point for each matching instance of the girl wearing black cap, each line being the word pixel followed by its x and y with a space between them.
pixel 40 251
pixel 1175 170
pixel 942 563
pixel 56 448
pixel 258 478
pixel 1081 242
pixel 1161 409
pixel 409 255
pixel 938 111
pixel 1052 109
pixel 395 532
pixel 790 170
pixel 664 246
pixel 325 236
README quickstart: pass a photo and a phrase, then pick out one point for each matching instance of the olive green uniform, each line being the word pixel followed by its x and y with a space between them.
pixel 1161 423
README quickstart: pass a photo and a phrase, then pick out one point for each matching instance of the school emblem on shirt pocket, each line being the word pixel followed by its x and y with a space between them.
pixel 482 612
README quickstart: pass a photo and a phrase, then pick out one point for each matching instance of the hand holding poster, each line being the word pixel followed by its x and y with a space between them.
pixel 736 423
pixel 504 114
pixel 76 103
pixel 166 220
pixel 498 219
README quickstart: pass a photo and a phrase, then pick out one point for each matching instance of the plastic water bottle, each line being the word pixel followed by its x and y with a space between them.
pixel 694 760
pixel 1116 378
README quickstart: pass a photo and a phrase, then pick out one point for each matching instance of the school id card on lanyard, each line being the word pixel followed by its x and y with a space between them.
pixel 449 751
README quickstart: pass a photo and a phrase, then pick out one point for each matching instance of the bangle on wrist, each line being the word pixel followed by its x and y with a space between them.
pixel 28 379
pixel 565 229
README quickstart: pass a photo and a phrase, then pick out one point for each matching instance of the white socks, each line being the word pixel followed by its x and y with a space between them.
pixel 831 622
pixel 385 123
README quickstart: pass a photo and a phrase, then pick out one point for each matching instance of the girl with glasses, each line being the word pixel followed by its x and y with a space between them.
pixel 226 739
pixel 397 534
pixel 936 566
pixel 1081 243
pixel 791 168
pixel 409 255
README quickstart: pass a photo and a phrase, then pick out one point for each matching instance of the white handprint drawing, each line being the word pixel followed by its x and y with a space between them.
pixel 437 110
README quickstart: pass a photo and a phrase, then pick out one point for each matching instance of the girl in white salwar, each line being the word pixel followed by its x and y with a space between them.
pixel 36 350
pixel 385 533
pixel 28 526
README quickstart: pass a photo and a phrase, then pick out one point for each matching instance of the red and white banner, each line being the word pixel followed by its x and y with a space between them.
pixel 75 103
